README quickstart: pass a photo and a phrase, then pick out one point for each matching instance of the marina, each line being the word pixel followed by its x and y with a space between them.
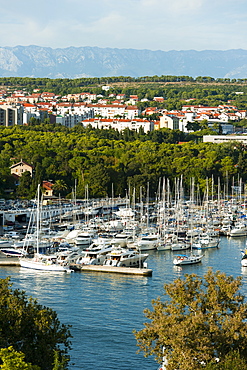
pixel 105 308
pixel 119 263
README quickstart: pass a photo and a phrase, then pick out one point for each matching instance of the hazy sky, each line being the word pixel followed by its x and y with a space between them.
pixel 137 24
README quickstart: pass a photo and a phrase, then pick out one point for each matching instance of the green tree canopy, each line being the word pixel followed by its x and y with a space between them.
pixel 13 360
pixel 204 319
pixel 23 189
pixel 31 328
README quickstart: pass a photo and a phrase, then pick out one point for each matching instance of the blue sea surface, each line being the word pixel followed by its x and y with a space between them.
pixel 104 309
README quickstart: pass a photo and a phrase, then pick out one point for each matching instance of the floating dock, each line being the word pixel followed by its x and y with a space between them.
pixel 9 261
pixel 14 261
pixel 113 269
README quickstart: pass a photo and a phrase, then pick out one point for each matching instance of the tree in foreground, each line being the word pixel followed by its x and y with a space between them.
pixel 13 360
pixel 32 329
pixel 204 319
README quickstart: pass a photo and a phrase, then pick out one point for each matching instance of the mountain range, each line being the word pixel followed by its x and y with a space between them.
pixel 76 62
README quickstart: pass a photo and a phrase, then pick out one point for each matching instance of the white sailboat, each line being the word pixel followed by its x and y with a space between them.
pixel 191 258
pixel 183 259
pixel 41 261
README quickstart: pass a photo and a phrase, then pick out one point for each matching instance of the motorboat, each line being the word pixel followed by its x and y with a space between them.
pixel 147 242
pixel 206 243
pixel 125 213
pixel 24 243
pixel 244 258
pixel 104 238
pixel 12 235
pixel 94 255
pixel 13 252
pixel 122 238
pixel 84 239
pixel 180 245
pixel 124 257
pixel 164 246
pixel 240 229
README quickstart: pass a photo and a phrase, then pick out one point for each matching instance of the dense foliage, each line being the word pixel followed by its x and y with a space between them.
pixel 31 329
pixel 13 360
pixel 203 321
pixel 106 159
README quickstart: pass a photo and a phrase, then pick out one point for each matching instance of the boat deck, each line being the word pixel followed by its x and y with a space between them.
pixel 113 269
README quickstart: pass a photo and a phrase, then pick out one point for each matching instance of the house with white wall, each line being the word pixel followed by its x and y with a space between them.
pixel 169 121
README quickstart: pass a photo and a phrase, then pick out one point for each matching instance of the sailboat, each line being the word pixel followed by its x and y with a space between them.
pixel 41 261
pixel 184 259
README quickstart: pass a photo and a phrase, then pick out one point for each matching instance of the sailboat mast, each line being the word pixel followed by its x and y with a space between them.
pixel 38 218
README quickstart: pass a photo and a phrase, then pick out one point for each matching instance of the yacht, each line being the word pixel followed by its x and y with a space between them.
pixel 148 242
pixel 206 243
pixel 240 229
pixel 122 238
pixel 123 257
pixel 103 239
pixel 95 255
pixel 84 239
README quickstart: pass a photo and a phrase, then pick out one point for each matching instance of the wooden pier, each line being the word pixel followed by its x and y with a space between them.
pixel 113 269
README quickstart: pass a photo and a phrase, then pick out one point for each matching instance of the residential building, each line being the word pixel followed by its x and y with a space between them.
pixel 169 121
pixel 159 99
pixel 19 168
pixel 11 114
pixel 47 188
pixel 120 124
pixel 224 138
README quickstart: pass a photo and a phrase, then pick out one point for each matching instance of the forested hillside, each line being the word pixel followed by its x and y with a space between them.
pixel 106 160
pixel 176 90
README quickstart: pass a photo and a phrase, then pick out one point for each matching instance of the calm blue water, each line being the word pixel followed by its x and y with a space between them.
pixel 103 309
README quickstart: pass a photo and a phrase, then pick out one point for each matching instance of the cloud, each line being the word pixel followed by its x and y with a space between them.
pixel 140 24
pixel 175 5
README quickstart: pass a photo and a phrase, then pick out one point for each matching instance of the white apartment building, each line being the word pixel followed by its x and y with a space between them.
pixel 11 114
pixel 224 138
pixel 120 124
pixel 108 110
pixel 169 121
pixel 70 120
pixel 131 112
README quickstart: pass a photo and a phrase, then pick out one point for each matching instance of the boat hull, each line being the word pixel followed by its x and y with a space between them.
pixel 30 263
pixel 187 260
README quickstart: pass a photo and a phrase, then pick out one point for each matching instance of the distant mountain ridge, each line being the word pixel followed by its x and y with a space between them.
pixel 76 62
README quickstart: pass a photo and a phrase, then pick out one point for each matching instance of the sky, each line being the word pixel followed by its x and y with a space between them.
pixel 125 24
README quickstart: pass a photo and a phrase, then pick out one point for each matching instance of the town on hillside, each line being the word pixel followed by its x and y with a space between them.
pixel 117 111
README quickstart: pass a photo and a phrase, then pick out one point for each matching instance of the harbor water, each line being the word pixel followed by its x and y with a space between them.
pixel 105 308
